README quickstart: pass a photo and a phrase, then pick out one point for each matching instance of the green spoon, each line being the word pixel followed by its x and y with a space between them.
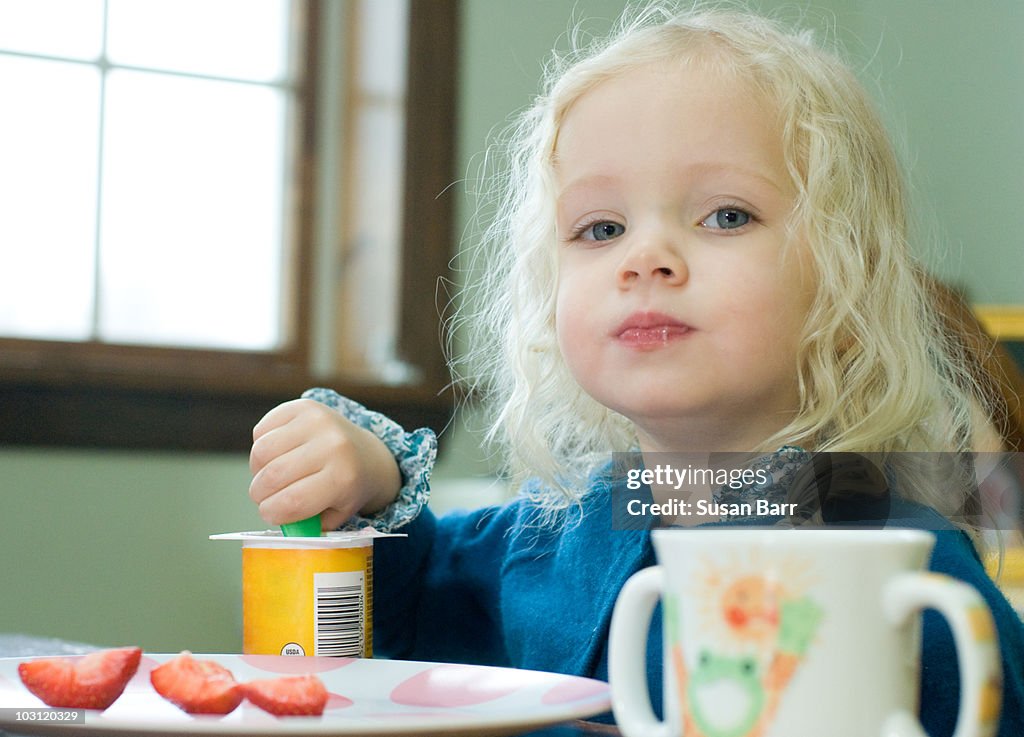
pixel 309 527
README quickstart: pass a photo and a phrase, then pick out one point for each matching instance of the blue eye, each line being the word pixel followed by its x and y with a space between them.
pixel 603 231
pixel 727 218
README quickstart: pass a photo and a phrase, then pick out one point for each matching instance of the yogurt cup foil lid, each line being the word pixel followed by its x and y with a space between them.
pixel 275 538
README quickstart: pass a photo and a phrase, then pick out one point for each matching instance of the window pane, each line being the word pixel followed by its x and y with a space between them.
pixel 71 28
pixel 190 250
pixel 383 40
pixel 371 285
pixel 245 39
pixel 47 197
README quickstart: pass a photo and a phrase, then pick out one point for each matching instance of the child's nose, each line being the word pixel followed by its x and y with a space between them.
pixel 653 261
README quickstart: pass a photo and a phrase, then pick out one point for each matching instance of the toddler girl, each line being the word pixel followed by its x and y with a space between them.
pixel 701 246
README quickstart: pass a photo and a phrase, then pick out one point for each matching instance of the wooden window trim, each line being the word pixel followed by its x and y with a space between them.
pixel 54 393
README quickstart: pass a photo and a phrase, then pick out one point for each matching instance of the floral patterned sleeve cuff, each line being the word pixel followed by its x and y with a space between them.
pixel 415 452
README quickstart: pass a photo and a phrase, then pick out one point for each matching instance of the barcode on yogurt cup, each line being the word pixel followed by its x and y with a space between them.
pixel 339 613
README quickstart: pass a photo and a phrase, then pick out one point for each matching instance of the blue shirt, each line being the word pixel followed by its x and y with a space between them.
pixel 492 587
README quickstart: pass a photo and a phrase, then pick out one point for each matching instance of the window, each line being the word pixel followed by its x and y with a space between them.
pixel 206 215
pixel 145 171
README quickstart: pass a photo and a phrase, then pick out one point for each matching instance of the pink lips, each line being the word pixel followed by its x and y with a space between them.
pixel 650 330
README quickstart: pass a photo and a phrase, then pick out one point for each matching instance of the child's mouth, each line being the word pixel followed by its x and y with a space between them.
pixel 652 337
pixel 650 330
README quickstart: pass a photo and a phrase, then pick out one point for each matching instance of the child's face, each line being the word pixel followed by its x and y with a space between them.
pixel 675 307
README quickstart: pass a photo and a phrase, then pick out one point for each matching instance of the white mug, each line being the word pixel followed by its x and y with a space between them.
pixel 795 633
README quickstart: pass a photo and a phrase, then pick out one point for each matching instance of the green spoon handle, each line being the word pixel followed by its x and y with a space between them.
pixel 309 527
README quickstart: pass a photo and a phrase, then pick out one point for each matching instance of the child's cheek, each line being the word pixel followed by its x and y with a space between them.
pixel 572 332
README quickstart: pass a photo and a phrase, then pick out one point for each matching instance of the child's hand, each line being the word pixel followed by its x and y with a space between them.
pixel 308 459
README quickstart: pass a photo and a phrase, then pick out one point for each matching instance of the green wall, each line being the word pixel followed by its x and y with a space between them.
pixel 110 547
pixel 951 78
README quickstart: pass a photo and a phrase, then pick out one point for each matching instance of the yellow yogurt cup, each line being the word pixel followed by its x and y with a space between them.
pixel 307 596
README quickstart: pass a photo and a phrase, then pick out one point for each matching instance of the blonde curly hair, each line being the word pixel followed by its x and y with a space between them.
pixel 876 371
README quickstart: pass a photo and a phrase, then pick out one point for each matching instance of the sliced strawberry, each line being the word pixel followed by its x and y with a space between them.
pixel 289 696
pixel 197 686
pixel 93 681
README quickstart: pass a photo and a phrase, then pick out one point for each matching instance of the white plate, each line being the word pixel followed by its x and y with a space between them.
pixel 368 697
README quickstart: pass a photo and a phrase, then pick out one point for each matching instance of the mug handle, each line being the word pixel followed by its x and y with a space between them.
pixel 977 648
pixel 627 646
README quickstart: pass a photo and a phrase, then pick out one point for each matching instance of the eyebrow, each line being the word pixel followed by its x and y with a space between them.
pixel 592 181
pixel 698 169
pixel 712 167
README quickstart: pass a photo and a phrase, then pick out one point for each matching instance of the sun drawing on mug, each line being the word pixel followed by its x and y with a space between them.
pixel 757 624
pixel 744 598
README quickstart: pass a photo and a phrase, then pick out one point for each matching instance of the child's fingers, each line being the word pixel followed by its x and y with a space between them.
pixel 280 415
pixel 275 442
pixel 284 470
pixel 332 519
pixel 301 499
